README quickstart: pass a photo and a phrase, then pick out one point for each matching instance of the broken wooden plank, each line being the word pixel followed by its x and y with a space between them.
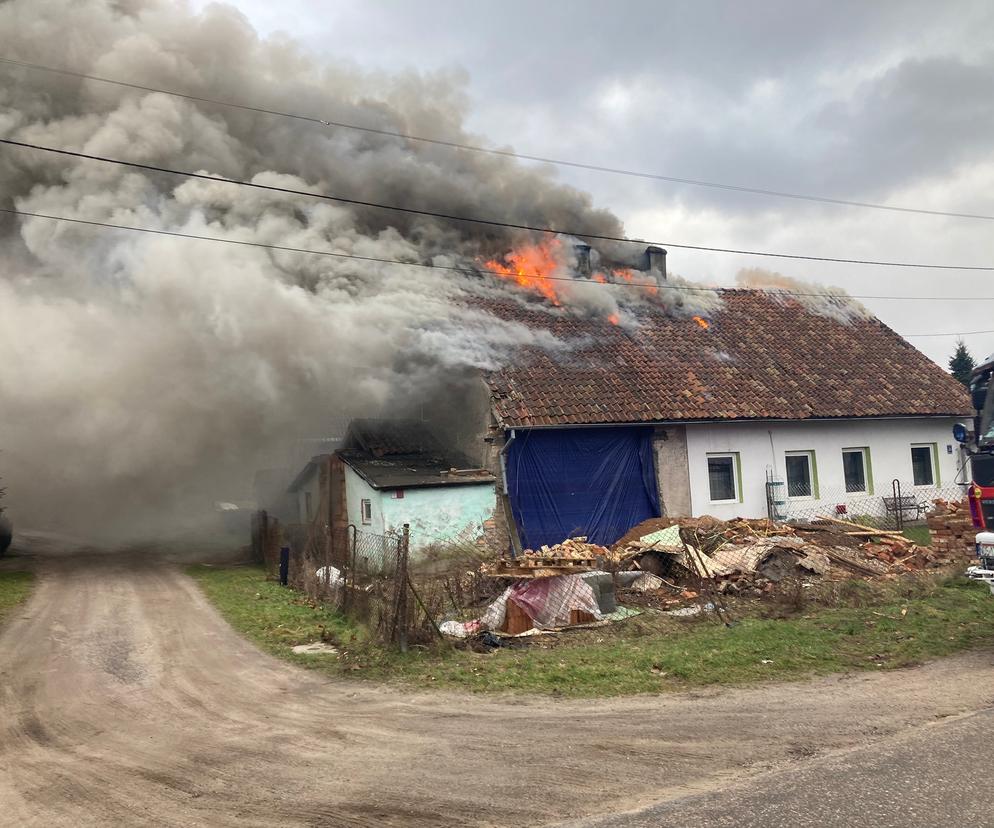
pixel 862 526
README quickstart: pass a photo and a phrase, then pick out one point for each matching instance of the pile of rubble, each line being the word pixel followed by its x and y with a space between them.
pixel 751 556
pixel 951 526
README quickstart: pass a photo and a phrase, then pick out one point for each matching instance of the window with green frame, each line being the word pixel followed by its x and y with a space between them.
pixel 802 474
pixel 925 464
pixel 856 470
pixel 725 477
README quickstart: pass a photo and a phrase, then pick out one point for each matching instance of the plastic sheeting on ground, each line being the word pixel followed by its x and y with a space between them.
pixel 596 482
pixel 547 601
pixel 668 538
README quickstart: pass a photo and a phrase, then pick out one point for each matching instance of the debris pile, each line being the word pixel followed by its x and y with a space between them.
pixel 749 557
pixel 672 562
pixel 952 529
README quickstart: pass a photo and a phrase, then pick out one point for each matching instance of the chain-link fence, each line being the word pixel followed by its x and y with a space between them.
pixel 893 505
pixel 358 573
pixel 453 587
pixel 407 590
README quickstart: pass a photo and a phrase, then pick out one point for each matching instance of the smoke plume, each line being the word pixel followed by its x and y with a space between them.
pixel 823 300
pixel 143 377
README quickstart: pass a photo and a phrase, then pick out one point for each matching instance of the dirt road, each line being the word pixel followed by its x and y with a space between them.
pixel 125 699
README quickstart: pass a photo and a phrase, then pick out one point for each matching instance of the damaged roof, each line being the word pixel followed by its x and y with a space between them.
pixel 383 438
pixel 400 454
pixel 762 356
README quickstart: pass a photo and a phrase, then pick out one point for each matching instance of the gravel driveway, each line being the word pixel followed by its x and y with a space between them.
pixel 125 699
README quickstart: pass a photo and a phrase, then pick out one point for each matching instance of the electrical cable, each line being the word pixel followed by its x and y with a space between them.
pixel 488 222
pixel 506 153
pixel 465 269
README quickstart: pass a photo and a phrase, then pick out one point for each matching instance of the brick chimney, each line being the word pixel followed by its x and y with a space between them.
pixel 583 268
pixel 655 259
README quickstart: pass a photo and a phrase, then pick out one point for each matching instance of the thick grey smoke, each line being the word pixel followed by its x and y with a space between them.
pixel 824 300
pixel 143 377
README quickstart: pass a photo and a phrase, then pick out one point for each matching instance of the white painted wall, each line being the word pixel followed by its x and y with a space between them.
pixel 889 441
pixel 357 490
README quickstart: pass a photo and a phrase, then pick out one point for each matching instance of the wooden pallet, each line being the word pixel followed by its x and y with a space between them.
pixel 551 560
pixel 542 567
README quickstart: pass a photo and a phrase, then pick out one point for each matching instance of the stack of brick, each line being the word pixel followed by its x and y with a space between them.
pixel 952 530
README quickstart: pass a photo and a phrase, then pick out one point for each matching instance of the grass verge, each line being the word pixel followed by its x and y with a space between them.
pixel 272 616
pixel 879 626
pixel 14 588
pixel 918 534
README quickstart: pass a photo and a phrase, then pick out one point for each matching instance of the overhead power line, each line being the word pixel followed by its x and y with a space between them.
pixel 488 222
pixel 505 153
pixel 950 333
pixel 465 268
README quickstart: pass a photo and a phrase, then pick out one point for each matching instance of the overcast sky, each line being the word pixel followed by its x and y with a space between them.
pixel 885 102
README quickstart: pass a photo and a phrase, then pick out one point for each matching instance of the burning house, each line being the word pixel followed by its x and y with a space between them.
pixel 749 402
pixel 361 270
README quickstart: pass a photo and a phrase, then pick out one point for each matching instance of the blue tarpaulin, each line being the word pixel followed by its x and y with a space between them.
pixel 597 482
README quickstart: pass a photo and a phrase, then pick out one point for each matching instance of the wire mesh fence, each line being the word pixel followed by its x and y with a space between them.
pixel 406 590
pixel 357 573
pixel 406 593
pixel 893 505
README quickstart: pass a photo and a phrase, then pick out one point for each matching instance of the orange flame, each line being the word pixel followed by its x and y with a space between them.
pixel 702 322
pixel 538 267
pixel 614 319
pixel 530 267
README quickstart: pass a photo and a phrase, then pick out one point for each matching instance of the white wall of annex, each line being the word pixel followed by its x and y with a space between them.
pixel 357 490
pixel 761 447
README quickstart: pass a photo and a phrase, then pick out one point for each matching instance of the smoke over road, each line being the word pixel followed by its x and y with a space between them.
pixel 141 376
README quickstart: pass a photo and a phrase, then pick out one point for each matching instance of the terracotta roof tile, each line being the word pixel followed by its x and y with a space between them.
pixel 764 357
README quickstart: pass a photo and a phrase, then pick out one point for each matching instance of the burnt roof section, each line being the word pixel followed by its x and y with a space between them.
pixel 385 438
pixel 400 454
pixel 762 356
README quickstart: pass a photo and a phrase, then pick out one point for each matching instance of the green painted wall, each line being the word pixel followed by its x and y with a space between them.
pixel 439 513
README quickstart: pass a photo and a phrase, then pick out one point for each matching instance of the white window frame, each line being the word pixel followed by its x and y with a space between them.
pixel 861 450
pixel 734 457
pixel 932 453
pixel 810 454
pixel 366 511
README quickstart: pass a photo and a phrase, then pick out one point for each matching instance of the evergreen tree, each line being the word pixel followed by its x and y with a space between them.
pixel 961 363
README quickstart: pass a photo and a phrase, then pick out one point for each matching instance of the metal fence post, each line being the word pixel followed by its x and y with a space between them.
pixel 895 486
pixel 402 620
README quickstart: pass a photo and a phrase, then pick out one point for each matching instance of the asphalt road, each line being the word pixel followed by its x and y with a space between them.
pixel 937 776
pixel 125 699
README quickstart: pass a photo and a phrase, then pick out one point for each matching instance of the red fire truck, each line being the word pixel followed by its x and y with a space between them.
pixel 980 447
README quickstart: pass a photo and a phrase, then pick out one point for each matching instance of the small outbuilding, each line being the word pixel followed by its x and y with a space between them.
pixel 390 473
